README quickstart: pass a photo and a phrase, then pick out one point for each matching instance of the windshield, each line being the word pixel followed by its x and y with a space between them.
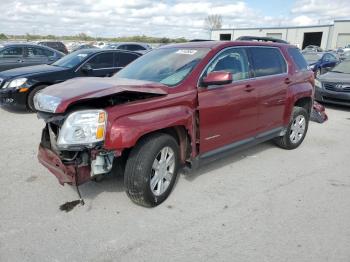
pixel 73 59
pixel 312 58
pixel 343 67
pixel 168 66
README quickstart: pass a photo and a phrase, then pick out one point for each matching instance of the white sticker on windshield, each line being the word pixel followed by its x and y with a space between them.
pixel 186 52
pixel 82 55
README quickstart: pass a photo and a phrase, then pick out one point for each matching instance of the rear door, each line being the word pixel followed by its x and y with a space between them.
pixel 11 57
pixel 271 82
pixel 227 113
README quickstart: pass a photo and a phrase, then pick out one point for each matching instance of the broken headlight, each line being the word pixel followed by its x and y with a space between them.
pixel 83 128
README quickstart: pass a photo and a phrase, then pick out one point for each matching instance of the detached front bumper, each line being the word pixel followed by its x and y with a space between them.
pixel 65 173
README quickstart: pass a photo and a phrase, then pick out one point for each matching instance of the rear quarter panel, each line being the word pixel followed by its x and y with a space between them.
pixel 301 86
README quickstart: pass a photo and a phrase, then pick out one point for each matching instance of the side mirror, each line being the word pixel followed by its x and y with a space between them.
pixel 86 68
pixel 217 78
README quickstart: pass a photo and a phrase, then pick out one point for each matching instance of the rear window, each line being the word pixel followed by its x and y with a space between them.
pixel 298 59
pixel 267 61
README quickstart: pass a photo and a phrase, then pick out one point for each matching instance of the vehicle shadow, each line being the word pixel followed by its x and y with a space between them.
pixel 336 107
pixel 15 110
pixel 115 183
pixel 110 183
pixel 229 160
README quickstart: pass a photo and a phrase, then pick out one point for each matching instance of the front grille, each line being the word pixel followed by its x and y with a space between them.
pixel 337 87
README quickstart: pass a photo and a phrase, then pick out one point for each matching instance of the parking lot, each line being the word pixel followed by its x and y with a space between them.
pixel 262 204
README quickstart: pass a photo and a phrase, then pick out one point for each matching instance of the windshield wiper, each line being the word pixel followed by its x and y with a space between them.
pixel 335 71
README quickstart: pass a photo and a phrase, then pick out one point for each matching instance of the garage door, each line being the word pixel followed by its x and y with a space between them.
pixel 343 40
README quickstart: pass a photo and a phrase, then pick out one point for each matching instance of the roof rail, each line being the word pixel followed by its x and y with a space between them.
pixel 262 39
pixel 200 40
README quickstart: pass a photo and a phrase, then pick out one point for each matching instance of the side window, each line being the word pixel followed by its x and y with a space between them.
pixel 123 47
pixel 12 52
pixel 332 58
pixel 298 59
pixel 233 60
pixel 267 61
pixel 326 57
pixel 38 52
pixel 123 59
pixel 104 60
pixel 47 53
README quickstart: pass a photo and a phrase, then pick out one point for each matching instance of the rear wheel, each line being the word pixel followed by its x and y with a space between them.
pixel 30 99
pixel 151 169
pixel 296 131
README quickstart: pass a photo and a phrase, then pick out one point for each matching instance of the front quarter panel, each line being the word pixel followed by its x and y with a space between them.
pixel 124 132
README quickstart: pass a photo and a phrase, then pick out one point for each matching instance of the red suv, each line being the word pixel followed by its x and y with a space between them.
pixel 177 106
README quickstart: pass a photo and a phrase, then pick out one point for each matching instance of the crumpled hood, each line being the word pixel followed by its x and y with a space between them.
pixel 86 88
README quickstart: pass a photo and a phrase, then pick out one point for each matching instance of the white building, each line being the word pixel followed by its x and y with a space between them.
pixel 326 36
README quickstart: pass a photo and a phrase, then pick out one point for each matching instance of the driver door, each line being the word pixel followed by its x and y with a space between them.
pixel 228 113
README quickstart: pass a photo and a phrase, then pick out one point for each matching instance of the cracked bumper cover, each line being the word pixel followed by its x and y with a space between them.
pixel 65 173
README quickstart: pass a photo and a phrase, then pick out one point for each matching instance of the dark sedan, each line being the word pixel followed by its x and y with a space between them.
pixel 334 86
pixel 18 86
pixel 20 55
pixel 321 63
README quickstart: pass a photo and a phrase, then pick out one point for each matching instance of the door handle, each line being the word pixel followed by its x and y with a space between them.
pixel 287 81
pixel 20 61
pixel 249 88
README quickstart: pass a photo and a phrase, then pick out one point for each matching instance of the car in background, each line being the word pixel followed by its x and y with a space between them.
pixel 321 63
pixel 334 86
pixel 15 55
pixel 346 55
pixel 59 46
pixel 312 48
pixel 18 86
pixel 84 46
pixel 131 46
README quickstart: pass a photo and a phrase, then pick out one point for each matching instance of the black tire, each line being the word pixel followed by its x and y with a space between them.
pixel 138 170
pixel 285 141
pixel 30 98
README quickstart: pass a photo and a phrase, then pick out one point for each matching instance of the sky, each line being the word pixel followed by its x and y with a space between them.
pixel 173 18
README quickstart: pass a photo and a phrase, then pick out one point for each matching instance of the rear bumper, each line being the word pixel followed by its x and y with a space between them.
pixel 339 98
pixel 65 173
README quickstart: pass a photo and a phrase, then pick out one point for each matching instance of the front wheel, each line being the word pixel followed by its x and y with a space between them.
pixel 151 169
pixel 296 130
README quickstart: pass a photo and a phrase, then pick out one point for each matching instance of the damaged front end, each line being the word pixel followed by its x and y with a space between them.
pixel 71 146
